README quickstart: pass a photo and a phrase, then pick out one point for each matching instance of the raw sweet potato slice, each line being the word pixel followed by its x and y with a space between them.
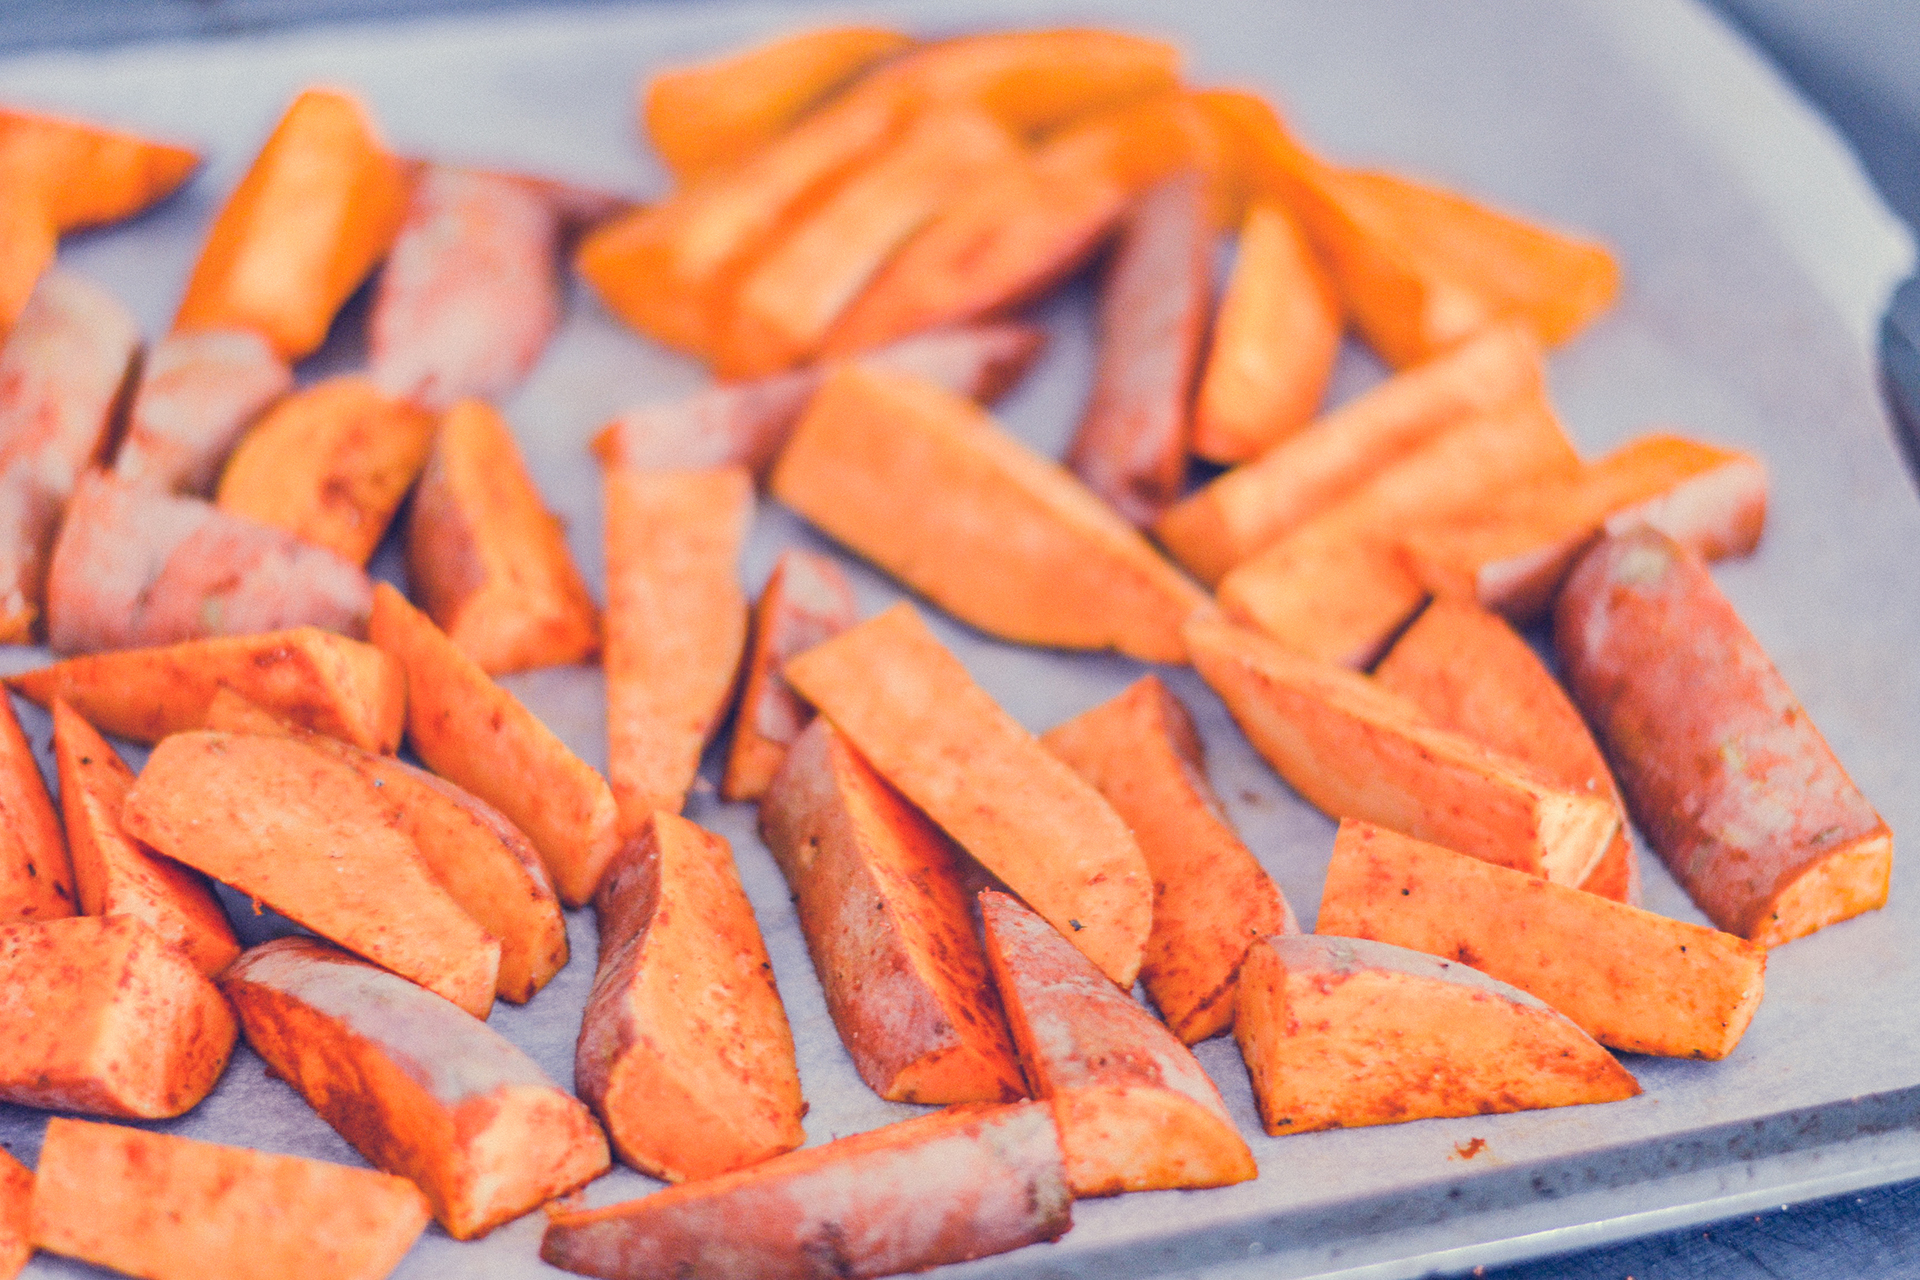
pixel 28 242
pixel 1355 750
pixel 926 485
pixel 16 1215
pixel 198 393
pixel 1722 768
pixel 806 600
pixel 115 876
pixel 1211 899
pixel 1136 1111
pixel 303 832
pixel 83 174
pixel 36 877
pixel 917 716
pixel 881 901
pixel 685 1053
pixel 962 1183
pixel 103 1017
pixel 419 1088
pixel 1631 979
pixel 320 681
pixel 1343 1032
pixel 485 558
pixel 1255 505
pixel 676 627
pixel 173 1208
pixel 312 216
pixel 474 733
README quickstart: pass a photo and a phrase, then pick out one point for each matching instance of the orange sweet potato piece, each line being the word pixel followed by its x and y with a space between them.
pixel 911 709
pixel 419 1088
pixel 113 875
pixel 198 393
pixel 685 1053
pixel 303 832
pixel 676 627
pixel 882 904
pixel 101 1016
pixel 1722 769
pixel 28 242
pixel 36 877
pixel 806 600
pixel 485 558
pixel 474 733
pixel 1211 899
pixel 962 1183
pixel 1629 978
pixel 82 174
pixel 173 1208
pixel 1343 1032
pixel 1136 1111
pixel 16 1215
pixel 315 212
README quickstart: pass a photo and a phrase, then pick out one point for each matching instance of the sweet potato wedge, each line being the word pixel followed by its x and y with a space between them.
pixel 685 1053
pixel 173 1208
pixel 486 560
pixel 82 174
pixel 1343 1032
pixel 303 832
pixel 959 1184
pixel 1722 769
pixel 16 1216
pixel 1211 899
pixel 317 209
pixel 881 901
pixel 1631 979
pixel 806 600
pixel 909 707
pixel 198 393
pixel 28 242
pixel 103 1017
pixel 419 1088
pixel 115 876
pixel 36 876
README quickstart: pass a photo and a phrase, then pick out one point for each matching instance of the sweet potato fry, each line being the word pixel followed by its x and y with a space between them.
pixel 676 627
pixel 198 393
pixel 685 1053
pixel 315 212
pixel 1211 899
pixel 36 877
pixel 103 1017
pixel 1036 80
pixel 83 174
pixel 173 1208
pixel 1343 1032
pixel 486 560
pixel 303 832
pixel 16 1215
pixel 911 709
pixel 962 1183
pixel 884 910
pixel 806 600
pixel 1731 782
pixel 1631 979
pixel 474 733
pixel 419 1088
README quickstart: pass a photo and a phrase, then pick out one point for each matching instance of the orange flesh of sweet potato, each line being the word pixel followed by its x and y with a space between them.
pixel 1343 1032
pixel 1254 505
pixel 28 242
pixel 1135 1110
pixel 1731 782
pixel 315 212
pixel 806 600
pixel 486 560
pixel 1131 445
pixel 302 831
pixel 912 710
pixel 416 1086
pixel 676 627
pixel 16 1216
pixel 82 174
pixel 474 733
pixel 1631 979
pixel 36 876
pixel 884 910
pixel 1211 899
pixel 115 876
pixel 1356 750
pixel 926 485
pixel 962 1183
pixel 173 1208
pixel 198 392
pixel 98 1015
pixel 685 1052
pixel 327 683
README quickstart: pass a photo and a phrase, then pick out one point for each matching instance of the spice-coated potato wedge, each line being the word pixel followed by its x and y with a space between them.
pixel 16 1215
pixel 198 393
pixel 36 877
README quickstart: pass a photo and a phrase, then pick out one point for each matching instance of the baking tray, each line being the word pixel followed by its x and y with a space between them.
pixel 1757 263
